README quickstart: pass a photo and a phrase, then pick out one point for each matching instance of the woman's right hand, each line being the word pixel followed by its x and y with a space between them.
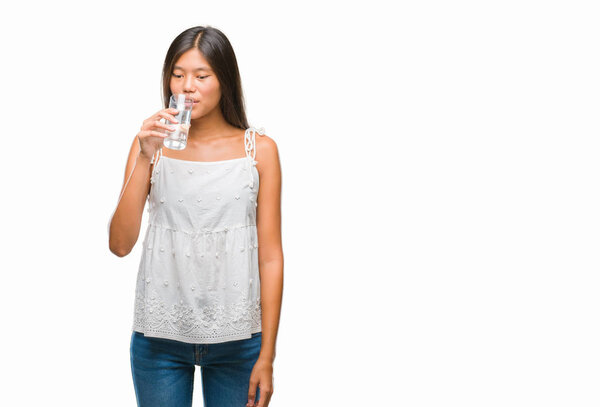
pixel 151 133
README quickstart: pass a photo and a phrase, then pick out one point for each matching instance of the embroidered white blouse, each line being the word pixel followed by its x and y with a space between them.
pixel 198 278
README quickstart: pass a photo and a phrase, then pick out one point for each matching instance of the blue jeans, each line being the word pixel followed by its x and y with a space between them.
pixel 163 371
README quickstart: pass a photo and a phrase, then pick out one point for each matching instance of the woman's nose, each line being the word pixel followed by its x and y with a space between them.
pixel 188 84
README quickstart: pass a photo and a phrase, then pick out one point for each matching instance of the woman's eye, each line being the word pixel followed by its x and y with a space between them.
pixel 201 77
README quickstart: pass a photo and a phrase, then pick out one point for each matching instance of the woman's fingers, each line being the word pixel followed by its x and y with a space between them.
pixel 265 396
pixel 154 133
pixel 252 391
pixel 158 123
pixel 153 128
pixel 168 116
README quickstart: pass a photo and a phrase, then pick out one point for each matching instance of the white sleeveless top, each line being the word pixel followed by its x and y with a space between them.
pixel 198 278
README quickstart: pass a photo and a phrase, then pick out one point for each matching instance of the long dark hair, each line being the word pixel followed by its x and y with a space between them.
pixel 217 50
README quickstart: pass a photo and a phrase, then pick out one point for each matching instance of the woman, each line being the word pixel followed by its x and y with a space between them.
pixel 210 279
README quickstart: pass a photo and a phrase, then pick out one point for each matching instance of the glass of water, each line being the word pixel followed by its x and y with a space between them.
pixel 177 139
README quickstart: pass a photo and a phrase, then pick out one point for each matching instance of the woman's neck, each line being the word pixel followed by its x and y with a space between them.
pixel 209 127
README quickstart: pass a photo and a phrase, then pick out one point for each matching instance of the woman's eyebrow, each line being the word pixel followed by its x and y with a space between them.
pixel 202 68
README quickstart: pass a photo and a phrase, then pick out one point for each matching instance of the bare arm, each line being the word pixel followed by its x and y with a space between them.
pixel 270 251
pixel 270 264
pixel 126 221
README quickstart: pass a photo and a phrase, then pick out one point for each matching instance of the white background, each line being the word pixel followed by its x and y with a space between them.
pixel 440 195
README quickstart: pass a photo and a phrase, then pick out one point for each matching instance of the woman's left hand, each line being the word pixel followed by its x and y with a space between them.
pixel 261 376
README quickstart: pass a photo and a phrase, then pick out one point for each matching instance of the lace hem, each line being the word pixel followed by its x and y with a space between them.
pixel 210 324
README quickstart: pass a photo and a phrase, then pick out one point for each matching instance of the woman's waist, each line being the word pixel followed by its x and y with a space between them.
pixel 202 228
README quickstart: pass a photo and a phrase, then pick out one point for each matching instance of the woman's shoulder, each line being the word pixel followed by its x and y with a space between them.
pixel 265 146
pixel 267 154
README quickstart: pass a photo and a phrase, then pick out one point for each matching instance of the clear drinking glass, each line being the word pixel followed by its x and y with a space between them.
pixel 177 139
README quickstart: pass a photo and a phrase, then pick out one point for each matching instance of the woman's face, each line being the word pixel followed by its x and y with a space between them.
pixel 193 76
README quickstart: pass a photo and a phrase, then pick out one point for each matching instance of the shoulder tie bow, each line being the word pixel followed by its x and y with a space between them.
pixel 250 143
